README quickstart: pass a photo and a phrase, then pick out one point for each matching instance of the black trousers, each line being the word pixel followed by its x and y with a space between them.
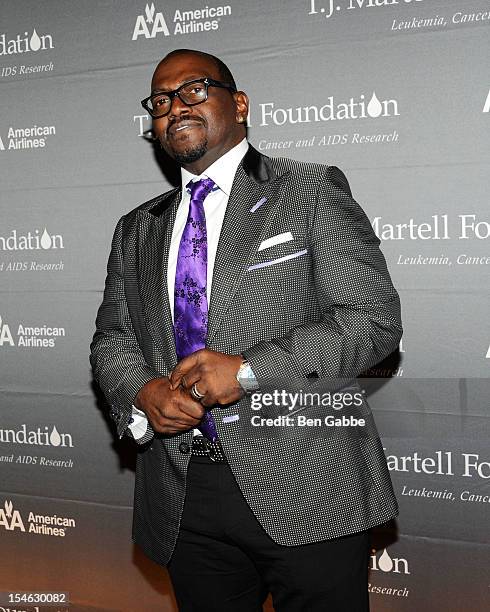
pixel 224 561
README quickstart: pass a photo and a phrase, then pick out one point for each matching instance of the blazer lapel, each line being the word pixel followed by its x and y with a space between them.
pixel 154 235
pixel 255 193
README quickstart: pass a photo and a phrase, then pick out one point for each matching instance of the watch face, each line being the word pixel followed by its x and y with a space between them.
pixel 245 371
pixel 246 378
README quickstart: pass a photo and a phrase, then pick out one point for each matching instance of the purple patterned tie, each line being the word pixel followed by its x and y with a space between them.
pixel 190 299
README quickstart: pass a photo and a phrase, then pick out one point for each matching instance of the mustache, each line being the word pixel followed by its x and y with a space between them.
pixel 175 122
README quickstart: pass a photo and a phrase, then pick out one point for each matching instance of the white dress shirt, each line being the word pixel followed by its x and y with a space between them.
pixel 222 172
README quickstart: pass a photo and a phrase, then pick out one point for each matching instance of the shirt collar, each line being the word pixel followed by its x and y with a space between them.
pixel 223 170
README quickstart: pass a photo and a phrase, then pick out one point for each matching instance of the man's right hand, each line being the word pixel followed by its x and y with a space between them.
pixel 169 412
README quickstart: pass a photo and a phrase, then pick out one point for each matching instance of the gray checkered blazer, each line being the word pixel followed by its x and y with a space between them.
pixel 329 311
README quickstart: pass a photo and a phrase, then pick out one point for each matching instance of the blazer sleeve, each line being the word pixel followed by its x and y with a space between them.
pixel 360 321
pixel 117 361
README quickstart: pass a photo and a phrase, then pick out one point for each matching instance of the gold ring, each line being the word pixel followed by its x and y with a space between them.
pixel 196 394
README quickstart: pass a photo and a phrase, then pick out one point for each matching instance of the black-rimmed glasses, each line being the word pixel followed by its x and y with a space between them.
pixel 191 93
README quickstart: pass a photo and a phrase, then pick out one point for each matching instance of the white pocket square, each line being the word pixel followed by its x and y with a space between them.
pixel 277 239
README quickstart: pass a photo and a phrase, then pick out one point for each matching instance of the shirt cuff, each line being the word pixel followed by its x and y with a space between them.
pixel 138 424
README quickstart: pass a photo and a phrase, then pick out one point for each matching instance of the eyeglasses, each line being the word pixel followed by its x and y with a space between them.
pixel 191 93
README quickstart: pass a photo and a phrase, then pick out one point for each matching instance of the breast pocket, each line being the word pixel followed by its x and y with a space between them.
pixel 285 253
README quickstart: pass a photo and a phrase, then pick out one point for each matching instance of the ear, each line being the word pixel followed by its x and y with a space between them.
pixel 241 104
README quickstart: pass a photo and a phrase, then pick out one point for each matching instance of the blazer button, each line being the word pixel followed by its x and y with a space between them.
pixel 184 448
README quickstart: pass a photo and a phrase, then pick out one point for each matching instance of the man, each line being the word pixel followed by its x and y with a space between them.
pixel 254 269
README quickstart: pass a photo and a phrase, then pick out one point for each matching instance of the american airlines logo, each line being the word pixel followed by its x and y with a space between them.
pixel 29 137
pixel 27 336
pixel 11 518
pixel 152 22
pixel 5 334
pixel 53 525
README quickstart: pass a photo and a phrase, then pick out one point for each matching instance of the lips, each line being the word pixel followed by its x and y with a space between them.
pixel 181 127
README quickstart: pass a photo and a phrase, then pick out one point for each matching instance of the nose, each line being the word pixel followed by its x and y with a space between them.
pixel 177 107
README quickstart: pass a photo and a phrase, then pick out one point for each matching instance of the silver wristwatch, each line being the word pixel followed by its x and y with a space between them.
pixel 246 378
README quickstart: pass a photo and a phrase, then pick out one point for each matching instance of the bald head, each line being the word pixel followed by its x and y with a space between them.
pixel 223 70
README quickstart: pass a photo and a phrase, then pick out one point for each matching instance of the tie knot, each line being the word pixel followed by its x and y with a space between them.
pixel 200 189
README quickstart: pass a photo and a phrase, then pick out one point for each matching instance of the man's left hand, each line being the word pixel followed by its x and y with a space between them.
pixel 213 373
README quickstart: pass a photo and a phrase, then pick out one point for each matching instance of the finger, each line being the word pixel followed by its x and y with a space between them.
pixel 173 429
pixel 191 378
pixel 191 408
pixel 174 426
pixel 179 420
pixel 171 413
pixel 208 401
pixel 182 369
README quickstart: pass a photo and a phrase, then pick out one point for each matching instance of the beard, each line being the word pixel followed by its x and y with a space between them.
pixel 190 154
